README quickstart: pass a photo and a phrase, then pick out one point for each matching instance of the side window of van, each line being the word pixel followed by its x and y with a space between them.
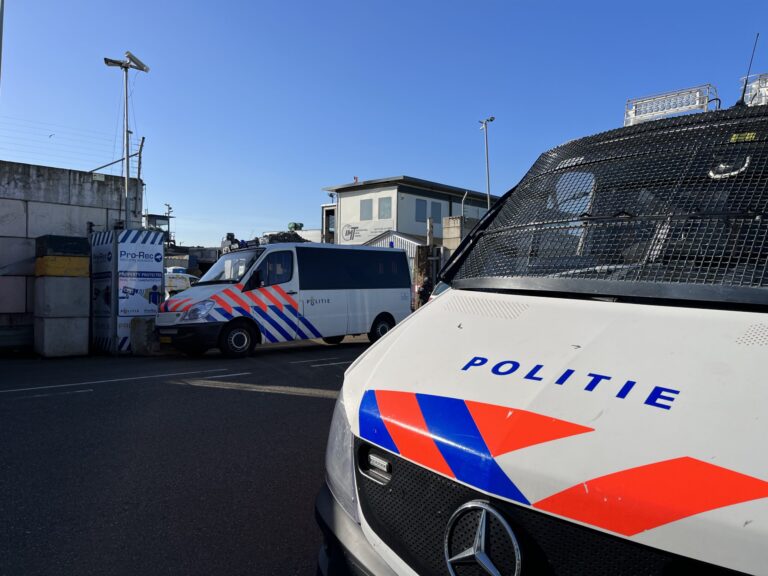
pixel 277 268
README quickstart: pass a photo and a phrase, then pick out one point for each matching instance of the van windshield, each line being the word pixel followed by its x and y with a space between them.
pixel 673 209
pixel 231 268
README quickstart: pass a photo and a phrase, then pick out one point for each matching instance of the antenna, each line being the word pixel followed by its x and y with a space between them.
pixel 740 101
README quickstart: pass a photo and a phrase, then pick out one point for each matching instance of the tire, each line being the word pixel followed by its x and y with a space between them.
pixel 333 340
pixel 381 326
pixel 237 340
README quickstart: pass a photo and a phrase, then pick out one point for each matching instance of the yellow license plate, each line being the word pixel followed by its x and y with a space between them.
pixel 165 339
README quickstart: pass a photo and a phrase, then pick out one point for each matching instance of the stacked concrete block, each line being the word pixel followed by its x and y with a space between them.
pixel 62 296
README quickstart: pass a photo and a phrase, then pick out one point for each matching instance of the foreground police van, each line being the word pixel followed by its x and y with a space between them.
pixel 285 292
pixel 590 395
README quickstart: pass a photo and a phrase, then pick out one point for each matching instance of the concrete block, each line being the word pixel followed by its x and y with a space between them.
pixel 144 341
pixel 61 336
pixel 65 220
pixel 13 218
pixel 30 295
pixel 62 297
pixel 38 183
pixel 17 256
pixel 97 193
pixel 52 245
pixel 13 294
pixel 115 215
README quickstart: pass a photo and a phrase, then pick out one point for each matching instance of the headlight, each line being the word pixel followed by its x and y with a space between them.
pixel 199 310
pixel 339 462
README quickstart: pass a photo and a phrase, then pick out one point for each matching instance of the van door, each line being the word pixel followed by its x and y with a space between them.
pixel 272 291
pixel 323 291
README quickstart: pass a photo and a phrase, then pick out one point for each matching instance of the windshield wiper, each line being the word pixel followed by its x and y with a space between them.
pixel 206 282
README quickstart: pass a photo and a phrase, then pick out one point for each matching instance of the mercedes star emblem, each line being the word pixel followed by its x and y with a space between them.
pixel 468 541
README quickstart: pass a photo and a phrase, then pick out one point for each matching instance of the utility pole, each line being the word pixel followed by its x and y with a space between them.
pixel 130 62
pixel 484 128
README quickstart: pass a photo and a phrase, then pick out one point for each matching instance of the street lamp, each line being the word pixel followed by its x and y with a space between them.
pixel 484 128
pixel 130 62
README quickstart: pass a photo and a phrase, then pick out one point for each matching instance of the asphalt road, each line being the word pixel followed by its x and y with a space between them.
pixel 165 465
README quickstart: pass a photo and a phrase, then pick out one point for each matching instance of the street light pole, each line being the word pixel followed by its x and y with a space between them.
pixel 484 128
pixel 130 62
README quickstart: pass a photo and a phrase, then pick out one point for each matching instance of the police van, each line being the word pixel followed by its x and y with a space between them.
pixel 285 292
pixel 589 395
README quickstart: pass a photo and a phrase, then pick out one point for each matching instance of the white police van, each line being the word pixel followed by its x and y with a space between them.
pixel 589 396
pixel 284 292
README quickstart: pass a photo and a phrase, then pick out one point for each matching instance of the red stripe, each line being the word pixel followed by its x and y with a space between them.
pixel 178 303
pixel 287 297
pixel 221 302
pixel 256 300
pixel 639 499
pixel 271 298
pixel 507 429
pixel 239 301
pixel 187 307
pixel 405 424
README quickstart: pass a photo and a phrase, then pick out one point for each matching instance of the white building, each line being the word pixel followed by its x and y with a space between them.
pixel 366 209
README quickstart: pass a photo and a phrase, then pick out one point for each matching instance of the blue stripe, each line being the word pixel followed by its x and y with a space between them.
pixel 157 238
pixel 272 323
pixel 303 320
pixel 372 426
pixel 461 444
pixel 135 239
pixel 288 321
pixel 224 313
pixel 266 332
pixel 145 237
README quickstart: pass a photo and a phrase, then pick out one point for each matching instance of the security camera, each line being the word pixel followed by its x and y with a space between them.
pixel 112 62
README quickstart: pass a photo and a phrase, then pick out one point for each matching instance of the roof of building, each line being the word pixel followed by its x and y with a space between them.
pixel 410 182
pixel 419 240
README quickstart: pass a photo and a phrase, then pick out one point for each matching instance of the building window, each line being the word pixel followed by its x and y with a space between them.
pixel 437 213
pixel 366 209
pixel 385 208
pixel 421 210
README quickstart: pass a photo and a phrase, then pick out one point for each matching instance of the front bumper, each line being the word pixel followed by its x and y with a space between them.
pixel 345 550
pixel 189 337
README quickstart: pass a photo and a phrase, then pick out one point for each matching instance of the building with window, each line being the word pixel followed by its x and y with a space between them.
pixel 369 208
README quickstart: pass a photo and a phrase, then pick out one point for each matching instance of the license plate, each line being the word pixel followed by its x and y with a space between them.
pixel 165 340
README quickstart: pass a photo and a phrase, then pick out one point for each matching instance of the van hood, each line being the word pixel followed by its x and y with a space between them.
pixel 646 422
pixel 187 298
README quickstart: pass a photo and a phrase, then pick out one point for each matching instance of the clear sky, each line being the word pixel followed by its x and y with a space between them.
pixel 252 107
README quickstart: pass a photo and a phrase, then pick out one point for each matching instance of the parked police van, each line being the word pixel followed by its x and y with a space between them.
pixel 283 292
pixel 589 396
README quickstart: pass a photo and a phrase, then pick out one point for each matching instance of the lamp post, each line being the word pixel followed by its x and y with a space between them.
pixel 484 128
pixel 130 62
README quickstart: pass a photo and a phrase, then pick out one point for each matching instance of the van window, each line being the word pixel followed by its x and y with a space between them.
pixel 339 269
pixel 652 213
pixel 277 268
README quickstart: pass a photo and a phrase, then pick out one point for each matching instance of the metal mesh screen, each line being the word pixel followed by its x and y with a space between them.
pixel 680 201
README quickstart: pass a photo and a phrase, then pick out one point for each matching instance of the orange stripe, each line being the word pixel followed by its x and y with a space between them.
pixel 287 297
pixel 405 423
pixel 221 302
pixel 271 298
pixel 187 306
pixel 179 303
pixel 256 300
pixel 507 429
pixel 240 302
pixel 642 498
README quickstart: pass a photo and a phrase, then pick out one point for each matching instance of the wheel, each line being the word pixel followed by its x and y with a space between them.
pixel 236 340
pixel 333 340
pixel 381 326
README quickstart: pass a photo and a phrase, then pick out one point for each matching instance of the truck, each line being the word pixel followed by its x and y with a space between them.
pixel 588 395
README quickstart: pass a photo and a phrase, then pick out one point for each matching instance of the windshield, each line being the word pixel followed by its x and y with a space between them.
pixel 670 204
pixel 231 267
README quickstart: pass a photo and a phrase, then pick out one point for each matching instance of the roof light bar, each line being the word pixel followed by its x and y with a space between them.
pixel 668 104
pixel 757 91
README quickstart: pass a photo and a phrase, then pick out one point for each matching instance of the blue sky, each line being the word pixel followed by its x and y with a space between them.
pixel 252 107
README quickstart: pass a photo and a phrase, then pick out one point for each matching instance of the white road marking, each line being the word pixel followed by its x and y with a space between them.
pixel 331 364
pixel 314 360
pixel 54 394
pixel 287 390
pixel 113 380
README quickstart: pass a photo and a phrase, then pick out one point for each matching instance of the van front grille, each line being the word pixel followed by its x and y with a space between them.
pixel 411 509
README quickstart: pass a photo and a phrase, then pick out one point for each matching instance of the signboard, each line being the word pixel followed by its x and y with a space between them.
pixel 361 232
pixel 135 259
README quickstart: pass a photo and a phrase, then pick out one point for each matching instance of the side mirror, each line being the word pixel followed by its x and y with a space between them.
pixel 254 281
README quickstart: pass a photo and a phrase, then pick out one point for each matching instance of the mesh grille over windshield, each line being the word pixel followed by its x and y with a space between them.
pixel 678 201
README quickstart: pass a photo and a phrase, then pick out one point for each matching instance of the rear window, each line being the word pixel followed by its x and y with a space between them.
pixel 670 205
pixel 339 269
